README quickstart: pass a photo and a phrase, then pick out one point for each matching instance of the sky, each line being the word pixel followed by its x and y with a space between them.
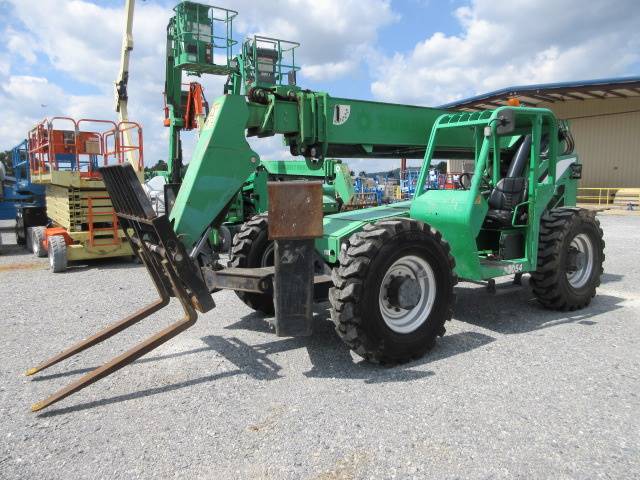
pixel 61 57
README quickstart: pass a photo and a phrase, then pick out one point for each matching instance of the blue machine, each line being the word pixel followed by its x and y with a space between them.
pixel 19 198
pixel 17 190
pixel 373 194
pixel 408 183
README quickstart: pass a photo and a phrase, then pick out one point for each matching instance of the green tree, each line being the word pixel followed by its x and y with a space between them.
pixel 161 165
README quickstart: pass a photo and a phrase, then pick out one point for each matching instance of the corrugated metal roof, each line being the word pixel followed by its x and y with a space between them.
pixel 621 87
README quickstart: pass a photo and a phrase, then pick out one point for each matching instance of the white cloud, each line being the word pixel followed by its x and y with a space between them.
pixel 80 38
pixel 328 71
pixel 511 43
pixel 88 54
pixel 334 35
pixel 502 43
pixel 23 99
pixel 20 44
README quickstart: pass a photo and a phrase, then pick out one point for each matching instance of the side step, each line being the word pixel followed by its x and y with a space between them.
pixel 170 268
pixel 503 288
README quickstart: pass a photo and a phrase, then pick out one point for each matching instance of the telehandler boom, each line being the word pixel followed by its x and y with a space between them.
pixel 389 272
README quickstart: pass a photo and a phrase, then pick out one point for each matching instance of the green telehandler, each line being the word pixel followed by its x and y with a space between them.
pixel 388 272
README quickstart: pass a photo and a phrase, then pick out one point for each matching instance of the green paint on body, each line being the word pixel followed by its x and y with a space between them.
pixel 221 163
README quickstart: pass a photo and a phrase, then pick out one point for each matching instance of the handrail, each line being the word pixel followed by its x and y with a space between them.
pixel 515 213
pixel 601 195
pixel 48 140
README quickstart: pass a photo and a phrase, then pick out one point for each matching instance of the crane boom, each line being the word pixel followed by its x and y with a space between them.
pixel 120 90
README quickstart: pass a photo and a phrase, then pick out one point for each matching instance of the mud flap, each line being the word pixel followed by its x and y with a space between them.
pixel 295 219
pixel 293 293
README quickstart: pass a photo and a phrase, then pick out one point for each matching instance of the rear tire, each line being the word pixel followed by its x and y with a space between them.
pixel 252 249
pixel 37 241
pixel 28 240
pixel 57 254
pixel 226 239
pixel 20 235
pixel 570 258
pixel 393 290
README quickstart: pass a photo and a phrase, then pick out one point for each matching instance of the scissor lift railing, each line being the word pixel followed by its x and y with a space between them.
pixel 62 144
pixel 126 141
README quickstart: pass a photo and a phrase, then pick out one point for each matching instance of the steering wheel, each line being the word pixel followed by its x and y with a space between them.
pixel 465 183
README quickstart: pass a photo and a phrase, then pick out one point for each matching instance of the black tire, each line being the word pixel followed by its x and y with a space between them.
pixel 226 239
pixel 57 254
pixel 37 241
pixel 355 305
pixel 28 240
pixel 252 248
pixel 560 229
pixel 20 235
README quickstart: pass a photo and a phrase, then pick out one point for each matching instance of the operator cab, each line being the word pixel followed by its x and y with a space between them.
pixel 494 211
pixel 511 190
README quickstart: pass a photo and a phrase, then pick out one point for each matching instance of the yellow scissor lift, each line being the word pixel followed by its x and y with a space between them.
pixel 65 155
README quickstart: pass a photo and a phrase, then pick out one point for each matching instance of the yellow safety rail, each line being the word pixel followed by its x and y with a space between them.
pixel 597 195
pixel 604 196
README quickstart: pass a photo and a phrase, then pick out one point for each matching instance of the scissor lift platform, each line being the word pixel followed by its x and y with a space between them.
pixel 65 155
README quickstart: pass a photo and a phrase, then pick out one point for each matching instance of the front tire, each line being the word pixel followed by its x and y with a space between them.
pixel 570 258
pixel 57 254
pixel 393 290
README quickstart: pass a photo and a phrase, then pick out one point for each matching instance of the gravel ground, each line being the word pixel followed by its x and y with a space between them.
pixel 511 391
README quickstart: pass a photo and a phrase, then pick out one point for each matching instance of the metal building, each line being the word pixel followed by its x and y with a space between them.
pixel 605 121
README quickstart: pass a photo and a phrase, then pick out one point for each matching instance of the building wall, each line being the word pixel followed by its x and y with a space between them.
pixel 460 166
pixel 607 135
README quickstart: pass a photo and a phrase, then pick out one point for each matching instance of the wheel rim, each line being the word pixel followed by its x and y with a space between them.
pixel 407 294
pixel 580 261
pixel 35 244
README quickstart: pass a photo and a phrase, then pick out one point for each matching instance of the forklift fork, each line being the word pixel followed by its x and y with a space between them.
pixel 170 268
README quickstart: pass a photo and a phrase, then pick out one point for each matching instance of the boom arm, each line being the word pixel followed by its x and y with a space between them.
pixel 313 123
pixel 121 94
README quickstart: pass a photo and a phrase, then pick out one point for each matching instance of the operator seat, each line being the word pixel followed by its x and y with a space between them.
pixel 510 190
